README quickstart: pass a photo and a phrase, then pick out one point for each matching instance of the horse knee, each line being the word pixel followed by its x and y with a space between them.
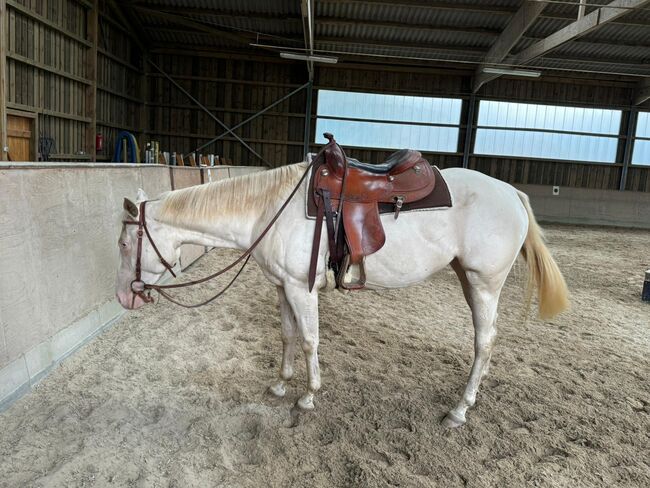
pixel 309 346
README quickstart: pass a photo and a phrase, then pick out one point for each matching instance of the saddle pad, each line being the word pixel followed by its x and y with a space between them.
pixel 438 198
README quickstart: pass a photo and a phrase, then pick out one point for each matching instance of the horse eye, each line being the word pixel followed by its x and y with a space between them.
pixel 123 244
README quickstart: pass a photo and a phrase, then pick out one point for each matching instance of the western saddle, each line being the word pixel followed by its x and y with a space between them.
pixel 348 193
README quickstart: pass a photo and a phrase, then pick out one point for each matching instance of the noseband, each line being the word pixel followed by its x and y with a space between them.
pixel 139 287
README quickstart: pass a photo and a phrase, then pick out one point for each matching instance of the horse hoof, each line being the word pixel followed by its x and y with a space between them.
pixel 306 402
pixel 279 389
pixel 452 422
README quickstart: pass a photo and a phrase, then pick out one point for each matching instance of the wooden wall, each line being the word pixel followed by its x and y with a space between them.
pixel 50 73
pixel 233 90
pixel 120 82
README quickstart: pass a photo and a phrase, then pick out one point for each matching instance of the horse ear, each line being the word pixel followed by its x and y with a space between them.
pixel 131 208
pixel 142 196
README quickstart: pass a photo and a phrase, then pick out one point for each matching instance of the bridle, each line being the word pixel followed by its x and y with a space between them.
pixel 140 288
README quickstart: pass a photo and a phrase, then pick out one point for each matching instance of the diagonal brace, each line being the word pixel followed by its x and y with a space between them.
pixel 257 114
pixel 206 110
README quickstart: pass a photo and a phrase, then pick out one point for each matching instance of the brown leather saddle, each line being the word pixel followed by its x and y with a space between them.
pixel 348 195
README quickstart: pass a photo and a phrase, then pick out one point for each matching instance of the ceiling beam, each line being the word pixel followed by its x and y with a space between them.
pixel 579 28
pixel 513 32
pixel 176 19
pixel 129 22
pixel 307 12
pixel 643 92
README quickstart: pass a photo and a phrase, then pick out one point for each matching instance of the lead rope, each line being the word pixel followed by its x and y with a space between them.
pixel 245 256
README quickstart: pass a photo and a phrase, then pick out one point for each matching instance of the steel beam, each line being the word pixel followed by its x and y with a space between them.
pixel 307 137
pixel 255 115
pixel 513 32
pixel 307 11
pixel 214 117
pixel 470 128
pixel 632 117
pixel 579 28
pixel 643 92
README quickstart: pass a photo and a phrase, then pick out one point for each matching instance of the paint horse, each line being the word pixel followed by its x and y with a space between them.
pixel 480 237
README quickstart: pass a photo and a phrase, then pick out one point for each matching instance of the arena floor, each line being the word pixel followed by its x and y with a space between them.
pixel 170 397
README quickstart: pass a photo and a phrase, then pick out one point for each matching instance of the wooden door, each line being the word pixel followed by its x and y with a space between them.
pixel 21 138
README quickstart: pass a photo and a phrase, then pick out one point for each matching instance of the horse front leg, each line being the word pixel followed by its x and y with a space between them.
pixel 289 333
pixel 305 309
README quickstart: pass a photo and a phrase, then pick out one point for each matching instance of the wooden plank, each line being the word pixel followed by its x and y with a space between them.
pixel 46 22
pixel 51 113
pixel 118 60
pixel 49 69
pixel 3 80
pixel 92 18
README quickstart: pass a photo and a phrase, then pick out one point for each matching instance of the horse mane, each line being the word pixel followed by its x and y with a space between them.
pixel 233 196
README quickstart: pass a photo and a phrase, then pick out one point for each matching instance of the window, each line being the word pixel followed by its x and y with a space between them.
pixel 547 131
pixel 641 152
pixel 389 121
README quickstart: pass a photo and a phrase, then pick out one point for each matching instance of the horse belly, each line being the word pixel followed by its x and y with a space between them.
pixel 418 245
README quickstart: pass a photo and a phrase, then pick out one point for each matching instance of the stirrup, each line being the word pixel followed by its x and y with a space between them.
pixel 345 266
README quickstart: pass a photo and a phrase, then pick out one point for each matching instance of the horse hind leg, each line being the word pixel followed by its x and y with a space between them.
pixel 289 332
pixel 482 295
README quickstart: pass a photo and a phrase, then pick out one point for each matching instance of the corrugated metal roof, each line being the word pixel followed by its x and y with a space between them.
pixel 288 7
pixel 459 31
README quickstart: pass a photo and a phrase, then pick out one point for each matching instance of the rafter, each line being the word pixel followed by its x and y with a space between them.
pixel 575 30
pixel 307 12
pixel 173 18
pixel 643 92
pixel 513 32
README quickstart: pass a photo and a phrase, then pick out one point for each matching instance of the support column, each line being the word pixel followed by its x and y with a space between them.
pixel 469 129
pixel 307 137
pixel 92 17
pixel 4 32
pixel 630 132
pixel 144 106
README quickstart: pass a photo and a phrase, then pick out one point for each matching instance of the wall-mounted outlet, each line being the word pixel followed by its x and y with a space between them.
pixel 556 190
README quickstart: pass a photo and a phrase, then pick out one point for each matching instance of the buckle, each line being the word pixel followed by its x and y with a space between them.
pixel 138 286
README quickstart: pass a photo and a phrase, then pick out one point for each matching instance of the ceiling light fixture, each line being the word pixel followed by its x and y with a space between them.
pixel 305 57
pixel 528 73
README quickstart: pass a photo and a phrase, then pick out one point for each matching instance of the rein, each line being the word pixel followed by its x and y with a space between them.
pixel 139 287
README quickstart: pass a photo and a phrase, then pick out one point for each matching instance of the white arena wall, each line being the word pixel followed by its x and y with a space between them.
pixel 59 224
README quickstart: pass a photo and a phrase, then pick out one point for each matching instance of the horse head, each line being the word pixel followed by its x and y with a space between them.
pixel 147 250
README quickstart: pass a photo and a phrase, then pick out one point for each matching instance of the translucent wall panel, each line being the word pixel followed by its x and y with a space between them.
pixel 641 154
pixel 545 145
pixel 549 117
pixel 389 108
pixel 544 141
pixel 389 136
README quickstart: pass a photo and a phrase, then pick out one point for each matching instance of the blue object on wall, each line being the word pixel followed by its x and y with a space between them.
pixel 132 149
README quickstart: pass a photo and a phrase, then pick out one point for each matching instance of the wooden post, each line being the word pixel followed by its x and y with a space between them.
pixel 91 73
pixel 144 106
pixel 3 79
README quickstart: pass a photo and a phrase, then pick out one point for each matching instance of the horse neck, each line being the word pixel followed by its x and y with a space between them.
pixel 234 229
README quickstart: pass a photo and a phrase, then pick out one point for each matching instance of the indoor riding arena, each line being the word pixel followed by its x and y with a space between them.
pixel 324 243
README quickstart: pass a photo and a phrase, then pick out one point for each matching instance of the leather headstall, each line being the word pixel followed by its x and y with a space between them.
pixel 139 287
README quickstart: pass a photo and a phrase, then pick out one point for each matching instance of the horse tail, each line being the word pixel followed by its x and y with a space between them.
pixel 543 272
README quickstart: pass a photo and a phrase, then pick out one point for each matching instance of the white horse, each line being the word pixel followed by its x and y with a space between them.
pixel 489 225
